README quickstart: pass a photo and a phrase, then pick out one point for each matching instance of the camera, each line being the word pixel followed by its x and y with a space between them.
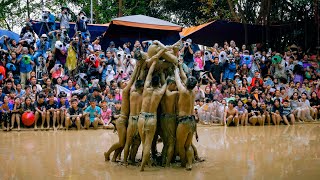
pixel 83 18
pixel 92 58
pixel 187 44
pixel 26 58
pixel 5 38
pixel 45 17
pixel 121 71
pixel 59 66
pixel 257 56
pixel 128 56
pixel 28 37
pixel 3 52
pixel 222 57
pixel 119 55
pixel 207 55
pixel 74 43
pixel 58 45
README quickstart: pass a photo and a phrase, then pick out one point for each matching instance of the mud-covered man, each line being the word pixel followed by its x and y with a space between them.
pixel 147 123
pixel 168 123
pixel 186 120
pixel 133 139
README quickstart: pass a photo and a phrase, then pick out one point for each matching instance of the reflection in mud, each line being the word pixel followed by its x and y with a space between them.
pixel 270 152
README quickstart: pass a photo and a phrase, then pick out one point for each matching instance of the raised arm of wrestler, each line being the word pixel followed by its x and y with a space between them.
pixel 168 56
pixel 125 108
pixel 146 63
pixel 182 73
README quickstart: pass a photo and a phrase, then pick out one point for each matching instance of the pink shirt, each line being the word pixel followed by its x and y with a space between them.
pixel 199 64
pixel 106 115
pixel 118 97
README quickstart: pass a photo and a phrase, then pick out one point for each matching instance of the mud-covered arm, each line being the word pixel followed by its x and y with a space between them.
pixel 164 83
pixel 134 75
pixel 162 46
pixel 178 80
pixel 163 78
pixel 156 56
pixel 183 74
pixel 142 71
pixel 149 76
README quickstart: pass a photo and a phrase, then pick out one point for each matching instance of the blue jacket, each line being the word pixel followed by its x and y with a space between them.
pixel 25 67
pixel 44 48
pixel 229 70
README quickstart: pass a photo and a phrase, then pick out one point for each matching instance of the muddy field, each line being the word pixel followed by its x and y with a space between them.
pixel 268 152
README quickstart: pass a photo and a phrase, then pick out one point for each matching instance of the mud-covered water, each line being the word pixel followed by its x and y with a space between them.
pixel 268 152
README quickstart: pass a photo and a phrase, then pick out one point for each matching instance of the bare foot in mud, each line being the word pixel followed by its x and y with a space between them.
pixel 125 164
pixel 189 167
pixel 106 157
pixel 198 159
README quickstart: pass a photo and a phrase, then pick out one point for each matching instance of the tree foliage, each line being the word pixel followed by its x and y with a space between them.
pixel 186 13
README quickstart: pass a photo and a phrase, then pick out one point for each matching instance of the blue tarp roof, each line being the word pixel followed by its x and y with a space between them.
pixel 10 34
pixel 94 29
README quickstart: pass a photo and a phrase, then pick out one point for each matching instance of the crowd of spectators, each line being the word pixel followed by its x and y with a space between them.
pixel 250 86
pixel 73 82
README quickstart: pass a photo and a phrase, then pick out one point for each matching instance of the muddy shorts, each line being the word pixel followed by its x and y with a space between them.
pixel 188 120
pixel 133 120
pixel 147 117
pixel 168 121
pixel 122 120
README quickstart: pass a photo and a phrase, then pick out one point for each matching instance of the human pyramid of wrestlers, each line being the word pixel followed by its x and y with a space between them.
pixel 158 100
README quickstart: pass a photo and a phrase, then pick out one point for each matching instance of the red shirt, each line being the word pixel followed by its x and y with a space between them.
pixel 95 64
pixel 254 81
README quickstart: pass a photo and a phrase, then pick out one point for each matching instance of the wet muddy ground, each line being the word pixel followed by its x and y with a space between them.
pixel 270 152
